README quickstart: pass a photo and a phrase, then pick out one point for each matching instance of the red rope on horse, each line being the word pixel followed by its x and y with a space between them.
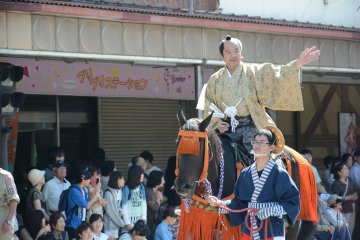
pixel 250 211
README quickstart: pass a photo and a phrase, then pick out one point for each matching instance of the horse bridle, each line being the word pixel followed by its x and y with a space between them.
pixel 184 134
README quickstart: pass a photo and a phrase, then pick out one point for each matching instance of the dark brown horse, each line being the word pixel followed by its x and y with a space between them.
pixel 208 163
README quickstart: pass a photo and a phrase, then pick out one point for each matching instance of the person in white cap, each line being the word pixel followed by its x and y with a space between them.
pixel 334 215
pixel 9 200
pixel 35 199
pixel 55 186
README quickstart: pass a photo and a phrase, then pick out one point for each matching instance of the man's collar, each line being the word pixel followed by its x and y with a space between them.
pixel 60 181
pixel 228 72
pixel 238 68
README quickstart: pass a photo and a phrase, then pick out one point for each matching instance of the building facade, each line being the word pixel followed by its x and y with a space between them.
pixel 175 51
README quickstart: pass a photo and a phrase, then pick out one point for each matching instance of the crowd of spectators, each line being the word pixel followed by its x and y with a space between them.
pixel 98 203
pixel 338 203
pixel 95 201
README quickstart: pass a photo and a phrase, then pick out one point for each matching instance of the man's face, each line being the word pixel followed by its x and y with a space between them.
pixel 357 159
pixel 261 145
pixel 308 157
pixel 60 157
pixel 86 182
pixel 141 163
pixel 232 54
pixel 60 172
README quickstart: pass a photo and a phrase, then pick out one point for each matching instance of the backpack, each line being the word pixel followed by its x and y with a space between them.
pixel 63 202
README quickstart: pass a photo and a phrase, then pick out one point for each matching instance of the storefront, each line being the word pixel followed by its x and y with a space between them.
pixel 125 108
pixel 160 49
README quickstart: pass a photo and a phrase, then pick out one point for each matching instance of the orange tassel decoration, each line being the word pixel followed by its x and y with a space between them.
pixel 189 145
pixel 201 224
pixel 308 193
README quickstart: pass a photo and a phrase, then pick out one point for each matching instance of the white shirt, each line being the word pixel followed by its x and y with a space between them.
pixel 102 236
pixel 52 191
pixel 153 168
pixel 125 236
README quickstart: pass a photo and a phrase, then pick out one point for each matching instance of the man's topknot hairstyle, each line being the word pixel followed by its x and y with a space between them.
pixel 228 38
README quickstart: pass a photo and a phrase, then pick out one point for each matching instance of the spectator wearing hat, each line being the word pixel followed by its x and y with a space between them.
pixel 55 153
pixel 35 199
pixel 78 201
pixel 324 229
pixel 54 187
pixel 334 215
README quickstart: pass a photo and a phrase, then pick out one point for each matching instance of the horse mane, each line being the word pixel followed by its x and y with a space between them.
pixel 215 144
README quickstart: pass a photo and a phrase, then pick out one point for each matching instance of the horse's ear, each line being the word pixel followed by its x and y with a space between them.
pixel 181 117
pixel 204 124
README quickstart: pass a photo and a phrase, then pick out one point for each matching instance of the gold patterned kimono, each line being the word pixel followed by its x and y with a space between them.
pixel 273 86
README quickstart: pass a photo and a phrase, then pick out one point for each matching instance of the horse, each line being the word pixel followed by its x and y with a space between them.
pixel 209 164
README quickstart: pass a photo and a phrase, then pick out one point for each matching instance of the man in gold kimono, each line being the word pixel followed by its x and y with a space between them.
pixel 243 91
pixel 8 203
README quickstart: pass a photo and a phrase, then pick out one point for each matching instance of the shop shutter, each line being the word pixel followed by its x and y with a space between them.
pixel 127 126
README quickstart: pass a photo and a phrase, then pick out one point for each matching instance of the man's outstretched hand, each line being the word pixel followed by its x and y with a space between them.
pixel 307 56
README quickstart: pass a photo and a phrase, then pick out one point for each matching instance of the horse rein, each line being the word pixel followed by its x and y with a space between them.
pixel 193 135
pixel 251 212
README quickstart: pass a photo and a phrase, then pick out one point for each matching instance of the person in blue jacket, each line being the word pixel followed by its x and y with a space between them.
pixel 78 202
pixel 265 186
pixel 164 229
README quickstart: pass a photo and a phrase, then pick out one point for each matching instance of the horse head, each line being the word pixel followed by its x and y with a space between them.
pixel 192 153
